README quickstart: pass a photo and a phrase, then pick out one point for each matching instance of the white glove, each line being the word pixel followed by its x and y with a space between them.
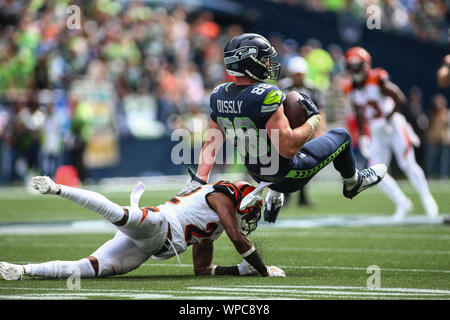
pixel 364 146
pixel 274 198
pixel 246 269
pixel 191 186
pixel 195 183
pixel 275 272
pixel 44 185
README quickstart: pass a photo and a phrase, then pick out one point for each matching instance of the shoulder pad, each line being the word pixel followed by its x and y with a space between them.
pixel 377 76
pixel 228 189
pixel 217 88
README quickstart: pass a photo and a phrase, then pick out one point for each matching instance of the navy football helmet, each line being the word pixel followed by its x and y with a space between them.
pixel 250 54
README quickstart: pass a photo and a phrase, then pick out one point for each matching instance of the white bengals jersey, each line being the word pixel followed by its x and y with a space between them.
pixel 192 219
pixel 372 104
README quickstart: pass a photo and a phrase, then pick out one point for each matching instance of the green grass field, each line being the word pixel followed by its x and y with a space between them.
pixel 325 250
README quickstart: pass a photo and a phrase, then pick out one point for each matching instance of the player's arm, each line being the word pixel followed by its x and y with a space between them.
pixel 390 89
pixel 290 140
pixel 202 255
pixel 214 141
pixel 225 209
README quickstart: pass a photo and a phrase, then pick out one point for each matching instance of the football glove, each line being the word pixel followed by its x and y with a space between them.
pixel 308 105
pixel 195 183
pixel 274 271
pixel 272 206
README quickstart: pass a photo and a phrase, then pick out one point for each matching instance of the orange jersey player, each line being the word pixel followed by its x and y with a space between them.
pixel 376 101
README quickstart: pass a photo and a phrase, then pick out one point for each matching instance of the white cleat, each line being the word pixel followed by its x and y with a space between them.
pixel 403 210
pixel 431 207
pixel 11 271
pixel 44 185
pixel 366 178
pixel 254 196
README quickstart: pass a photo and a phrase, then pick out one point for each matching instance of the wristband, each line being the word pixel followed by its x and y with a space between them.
pixel 249 252
pixel 256 262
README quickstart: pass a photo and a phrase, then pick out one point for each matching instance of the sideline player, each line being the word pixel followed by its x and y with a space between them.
pixel 248 106
pixel 377 100
pixel 161 232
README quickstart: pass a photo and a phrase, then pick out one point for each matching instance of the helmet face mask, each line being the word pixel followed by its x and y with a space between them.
pixel 248 218
pixel 358 62
pixel 357 70
pixel 250 54
pixel 249 222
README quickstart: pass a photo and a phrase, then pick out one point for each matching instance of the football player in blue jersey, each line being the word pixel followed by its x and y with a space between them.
pixel 281 157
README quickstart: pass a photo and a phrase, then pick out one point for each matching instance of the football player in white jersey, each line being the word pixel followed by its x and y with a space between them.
pixel 376 101
pixel 161 232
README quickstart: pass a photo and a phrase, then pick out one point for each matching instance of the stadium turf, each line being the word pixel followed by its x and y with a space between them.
pixel 321 262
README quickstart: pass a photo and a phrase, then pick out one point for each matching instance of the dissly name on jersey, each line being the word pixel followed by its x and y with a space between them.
pixel 229 106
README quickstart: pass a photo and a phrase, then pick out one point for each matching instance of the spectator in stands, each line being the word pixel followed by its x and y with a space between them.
pixel 438 138
pixel 443 74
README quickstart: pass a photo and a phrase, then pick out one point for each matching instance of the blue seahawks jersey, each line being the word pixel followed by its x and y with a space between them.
pixel 242 112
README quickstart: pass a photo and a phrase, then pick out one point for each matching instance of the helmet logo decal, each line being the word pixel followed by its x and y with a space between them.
pixel 240 54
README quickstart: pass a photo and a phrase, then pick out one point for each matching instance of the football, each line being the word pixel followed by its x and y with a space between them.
pixel 294 110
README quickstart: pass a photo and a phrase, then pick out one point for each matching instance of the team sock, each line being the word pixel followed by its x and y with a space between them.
pixel 61 269
pixel 93 201
pixel 349 183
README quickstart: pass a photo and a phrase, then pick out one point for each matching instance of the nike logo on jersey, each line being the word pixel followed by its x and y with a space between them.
pixel 229 106
pixel 231 191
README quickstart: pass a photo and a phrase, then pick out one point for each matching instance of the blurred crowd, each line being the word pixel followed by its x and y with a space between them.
pixel 172 55
pixel 426 19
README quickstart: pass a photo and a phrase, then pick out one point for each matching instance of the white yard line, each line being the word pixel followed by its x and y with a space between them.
pixel 101 226
pixel 365 250
pixel 234 292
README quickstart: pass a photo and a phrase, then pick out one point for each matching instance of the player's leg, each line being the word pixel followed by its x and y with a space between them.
pixel 334 146
pixel 93 201
pixel 117 256
pixel 146 224
pixel 128 220
pixel 406 160
pixel 381 152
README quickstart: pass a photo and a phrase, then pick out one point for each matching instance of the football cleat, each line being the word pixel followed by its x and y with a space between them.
pixel 367 178
pixel 272 207
pixel 44 185
pixel 403 210
pixel 11 271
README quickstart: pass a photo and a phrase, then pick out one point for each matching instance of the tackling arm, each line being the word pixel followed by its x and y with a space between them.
pixel 226 211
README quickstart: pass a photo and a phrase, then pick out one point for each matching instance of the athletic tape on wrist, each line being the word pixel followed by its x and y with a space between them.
pixel 314 121
pixel 249 252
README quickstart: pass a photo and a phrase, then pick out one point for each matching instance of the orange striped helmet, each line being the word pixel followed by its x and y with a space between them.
pixel 251 215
